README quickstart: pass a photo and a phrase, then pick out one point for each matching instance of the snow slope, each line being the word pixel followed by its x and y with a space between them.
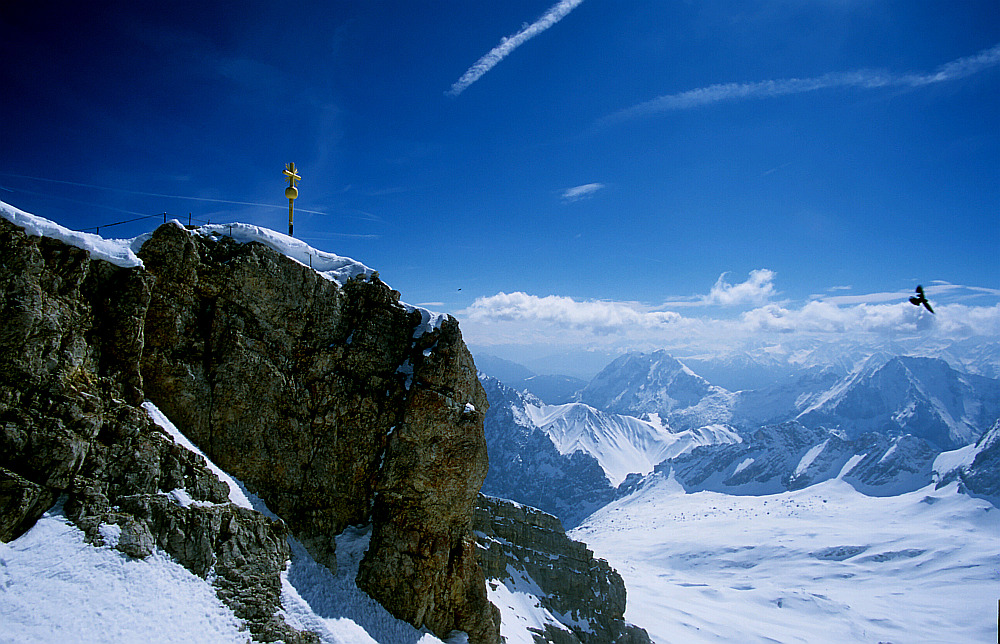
pixel 822 564
pixel 621 444
pixel 54 587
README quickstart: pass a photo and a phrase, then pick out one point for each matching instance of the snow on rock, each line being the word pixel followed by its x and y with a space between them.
pixel 520 610
pixel 54 587
pixel 428 320
pixel 313 598
pixel 333 267
pixel 236 494
pixel 115 251
pixel 122 252
pixel 809 457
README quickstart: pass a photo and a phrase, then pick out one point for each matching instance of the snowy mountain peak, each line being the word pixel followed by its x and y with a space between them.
pixel 901 394
pixel 639 383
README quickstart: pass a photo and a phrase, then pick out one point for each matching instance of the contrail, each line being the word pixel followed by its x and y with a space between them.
pixel 866 79
pixel 510 43
pixel 156 194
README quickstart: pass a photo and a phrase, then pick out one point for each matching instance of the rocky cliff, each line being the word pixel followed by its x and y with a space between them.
pixel 523 546
pixel 330 400
pixel 70 425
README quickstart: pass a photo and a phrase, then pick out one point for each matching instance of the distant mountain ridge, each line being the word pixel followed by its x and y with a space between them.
pixel 552 389
pixel 888 394
pixel 526 467
pixel 640 383
pixel 920 396
pixel 621 444
pixel 791 456
pixel 878 421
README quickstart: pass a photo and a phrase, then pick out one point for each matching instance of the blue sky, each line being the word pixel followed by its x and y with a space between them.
pixel 581 175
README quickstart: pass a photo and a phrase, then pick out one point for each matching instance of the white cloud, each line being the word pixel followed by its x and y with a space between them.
pixel 756 290
pixel 556 13
pixel 581 192
pixel 864 79
pixel 597 316
pixel 556 322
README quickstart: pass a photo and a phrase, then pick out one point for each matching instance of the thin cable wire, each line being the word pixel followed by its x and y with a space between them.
pixel 156 194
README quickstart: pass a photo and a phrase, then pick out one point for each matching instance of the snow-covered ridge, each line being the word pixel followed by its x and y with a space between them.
pixel 621 444
pixel 115 251
pixel 122 252
pixel 330 266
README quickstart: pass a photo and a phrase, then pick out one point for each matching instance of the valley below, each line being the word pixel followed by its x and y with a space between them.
pixel 822 564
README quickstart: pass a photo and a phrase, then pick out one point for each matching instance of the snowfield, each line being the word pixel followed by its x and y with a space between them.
pixel 822 564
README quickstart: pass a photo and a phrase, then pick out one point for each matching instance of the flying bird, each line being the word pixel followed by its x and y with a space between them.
pixel 920 298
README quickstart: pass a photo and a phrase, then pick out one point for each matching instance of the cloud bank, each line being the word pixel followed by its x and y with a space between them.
pixel 598 317
pixel 864 79
pixel 558 321
pixel 510 43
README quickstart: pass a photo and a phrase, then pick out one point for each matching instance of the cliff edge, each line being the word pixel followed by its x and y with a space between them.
pixel 328 398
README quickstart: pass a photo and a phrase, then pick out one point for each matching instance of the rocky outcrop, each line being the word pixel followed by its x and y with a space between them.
pixel 70 426
pixel 336 406
pixel 333 402
pixel 585 594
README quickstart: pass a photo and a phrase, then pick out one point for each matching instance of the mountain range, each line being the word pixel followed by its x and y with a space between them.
pixel 878 421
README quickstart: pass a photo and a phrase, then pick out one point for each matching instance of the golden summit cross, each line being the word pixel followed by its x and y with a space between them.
pixel 291 192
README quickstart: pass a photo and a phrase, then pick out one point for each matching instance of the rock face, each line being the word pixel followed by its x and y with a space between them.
pixel 329 404
pixel 977 468
pixel 333 403
pixel 586 594
pixel 70 425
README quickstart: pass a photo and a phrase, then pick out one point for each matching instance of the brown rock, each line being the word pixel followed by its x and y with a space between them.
pixel 321 400
pixel 70 350
pixel 574 583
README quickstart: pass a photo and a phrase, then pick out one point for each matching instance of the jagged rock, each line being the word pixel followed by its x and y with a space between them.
pixel 583 591
pixel 21 503
pixel 330 404
pixel 69 425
